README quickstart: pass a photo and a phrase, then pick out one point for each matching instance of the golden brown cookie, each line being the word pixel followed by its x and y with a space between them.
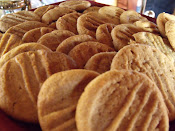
pixel 40 11
pixel 69 43
pixel 162 18
pixel 103 34
pixel 53 14
pixel 122 34
pixel 13 19
pixel 33 35
pixel 131 16
pixel 22 28
pixel 22 77
pixel 68 22
pixel 121 101
pixel 89 22
pixel 84 51
pixel 155 65
pixel 147 26
pixel 77 5
pixel 100 62
pixel 20 49
pixel 67 86
pixel 170 32
pixel 8 42
pixel 92 9
pixel 155 41
pixel 54 38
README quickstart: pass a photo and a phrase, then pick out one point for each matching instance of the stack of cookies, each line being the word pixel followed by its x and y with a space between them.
pixel 74 66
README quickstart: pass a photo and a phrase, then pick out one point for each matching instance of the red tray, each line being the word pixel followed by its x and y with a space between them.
pixel 8 124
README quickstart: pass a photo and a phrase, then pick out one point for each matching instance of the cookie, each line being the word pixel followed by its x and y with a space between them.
pixel 120 101
pixel 89 22
pixel 20 49
pixel 100 62
pixel 170 32
pixel 103 34
pixel 76 5
pixel 67 86
pixel 40 11
pixel 155 65
pixel 122 34
pixel 147 26
pixel 131 16
pixel 22 77
pixel 68 44
pixel 155 41
pixel 54 38
pixel 33 35
pixel 8 42
pixel 84 51
pixel 13 19
pixel 53 14
pixel 68 22
pixel 162 18
pixel 22 28
pixel 92 9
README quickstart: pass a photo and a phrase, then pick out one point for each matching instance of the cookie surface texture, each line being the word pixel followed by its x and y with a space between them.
pixel 120 101
pixel 21 80
pixel 155 65
pixel 100 62
pixel 67 86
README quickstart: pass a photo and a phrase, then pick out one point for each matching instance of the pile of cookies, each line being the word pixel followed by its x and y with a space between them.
pixel 74 66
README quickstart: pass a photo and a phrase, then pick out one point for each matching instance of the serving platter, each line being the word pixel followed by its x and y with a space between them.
pixel 8 124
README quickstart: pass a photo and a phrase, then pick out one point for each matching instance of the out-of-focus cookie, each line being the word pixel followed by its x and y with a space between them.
pixel 33 35
pixel 22 28
pixel 77 5
pixel 120 101
pixel 84 51
pixel 155 65
pixel 67 86
pixel 68 22
pixel 161 20
pixel 131 16
pixel 147 26
pixel 155 41
pixel 122 34
pixel 53 14
pixel 20 49
pixel 170 32
pixel 100 62
pixel 40 11
pixel 54 38
pixel 22 78
pixel 8 42
pixel 13 19
pixel 68 44
pixel 92 9
pixel 89 22
pixel 103 34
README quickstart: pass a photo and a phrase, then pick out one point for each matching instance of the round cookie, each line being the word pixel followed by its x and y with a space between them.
pixel 20 49
pixel 100 62
pixel 54 38
pixel 103 34
pixel 34 34
pixel 155 65
pixel 120 101
pixel 66 87
pixel 68 22
pixel 84 51
pixel 76 5
pixel 22 77
pixel 68 44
